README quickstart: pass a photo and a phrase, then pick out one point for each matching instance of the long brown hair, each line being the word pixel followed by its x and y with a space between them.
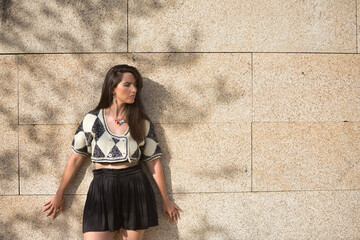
pixel 135 112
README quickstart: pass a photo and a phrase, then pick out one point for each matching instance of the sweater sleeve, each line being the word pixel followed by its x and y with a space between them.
pixel 81 143
pixel 150 149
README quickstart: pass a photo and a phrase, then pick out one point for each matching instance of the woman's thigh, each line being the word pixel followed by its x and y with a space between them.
pixel 100 235
pixel 131 234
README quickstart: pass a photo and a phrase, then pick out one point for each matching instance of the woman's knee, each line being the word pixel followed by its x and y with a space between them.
pixel 100 235
pixel 125 234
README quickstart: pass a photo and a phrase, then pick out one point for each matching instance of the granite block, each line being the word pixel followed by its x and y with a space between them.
pixel 63 26
pixel 246 26
pixel 206 157
pixel 187 88
pixel 306 87
pixel 47 89
pixel 255 215
pixel 43 154
pixel 265 215
pixel 43 158
pixel 306 156
pixel 9 180
pixel 61 89
pixel 8 90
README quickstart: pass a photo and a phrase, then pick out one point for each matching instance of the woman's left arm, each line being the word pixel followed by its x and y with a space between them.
pixel 168 207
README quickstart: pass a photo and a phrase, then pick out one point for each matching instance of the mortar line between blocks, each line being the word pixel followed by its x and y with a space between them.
pixel 143 52
pixel 198 123
pixel 356 24
pixel 252 87
pixel 251 125
pixel 18 121
pixel 184 193
pixel 127 26
pixel 251 157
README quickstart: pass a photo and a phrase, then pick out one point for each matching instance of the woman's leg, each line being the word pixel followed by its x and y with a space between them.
pixel 131 234
pixel 100 235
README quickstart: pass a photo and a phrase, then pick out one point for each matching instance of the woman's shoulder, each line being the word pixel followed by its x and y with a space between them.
pixel 94 112
pixel 147 122
pixel 91 117
pixel 148 125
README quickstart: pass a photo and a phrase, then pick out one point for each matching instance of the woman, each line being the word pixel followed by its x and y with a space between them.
pixel 117 134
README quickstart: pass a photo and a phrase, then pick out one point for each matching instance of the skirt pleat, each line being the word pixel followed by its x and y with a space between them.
pixel 119 198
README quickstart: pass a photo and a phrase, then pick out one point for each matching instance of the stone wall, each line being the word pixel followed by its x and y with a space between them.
pixel 256 105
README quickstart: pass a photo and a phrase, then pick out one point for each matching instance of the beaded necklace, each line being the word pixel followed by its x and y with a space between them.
pixel 119 122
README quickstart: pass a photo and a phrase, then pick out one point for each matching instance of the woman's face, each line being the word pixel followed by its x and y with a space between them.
pixel 125 91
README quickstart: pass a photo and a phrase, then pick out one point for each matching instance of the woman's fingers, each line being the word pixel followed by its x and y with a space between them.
pixel 173 215
pixel 172 210
pixel 50 211
pixel 53 206
pixel 179 209
pixel 46 208
pixel 176 216
pixel 54 213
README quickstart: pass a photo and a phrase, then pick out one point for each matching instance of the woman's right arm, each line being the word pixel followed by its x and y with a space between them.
pixel 57 202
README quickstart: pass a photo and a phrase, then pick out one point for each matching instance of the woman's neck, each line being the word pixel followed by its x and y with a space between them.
pixel 118 109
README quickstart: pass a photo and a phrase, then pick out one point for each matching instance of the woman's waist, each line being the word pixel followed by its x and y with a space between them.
pixel 117 172
pixel 115 165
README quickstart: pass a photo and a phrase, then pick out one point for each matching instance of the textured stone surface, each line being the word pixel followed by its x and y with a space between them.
pixel 306 87
pixel 22 217
pixel 8 125
pixel 280 25
pixel 224 129
pixel 196 87
pixel 62 88
pixel 63 26
pixel 177 87
pixel 306 156
pixel 227 168
pixel 8 90
pixel 206 157
pixel 47 88
pixel 272 215
pixel 44 151
pixel 9 160
pixel 268 215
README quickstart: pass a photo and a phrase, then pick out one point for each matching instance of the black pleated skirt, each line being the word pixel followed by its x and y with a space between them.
pixel 119 198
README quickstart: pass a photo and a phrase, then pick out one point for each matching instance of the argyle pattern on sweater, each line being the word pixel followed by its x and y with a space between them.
pixel 94 138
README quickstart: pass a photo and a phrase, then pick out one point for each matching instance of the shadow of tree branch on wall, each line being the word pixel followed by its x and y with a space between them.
pixel 65 26
pixel 61 88
pixel 211 230
pixel 26 220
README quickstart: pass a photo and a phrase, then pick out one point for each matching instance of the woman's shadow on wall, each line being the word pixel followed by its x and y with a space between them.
pixel 153 95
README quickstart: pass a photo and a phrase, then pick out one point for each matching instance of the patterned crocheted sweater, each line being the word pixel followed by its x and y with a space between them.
pixel 94 138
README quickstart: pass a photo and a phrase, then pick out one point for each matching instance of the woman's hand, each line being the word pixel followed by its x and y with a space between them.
pixel 54 205
pixel 171 209
pixel 168 207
